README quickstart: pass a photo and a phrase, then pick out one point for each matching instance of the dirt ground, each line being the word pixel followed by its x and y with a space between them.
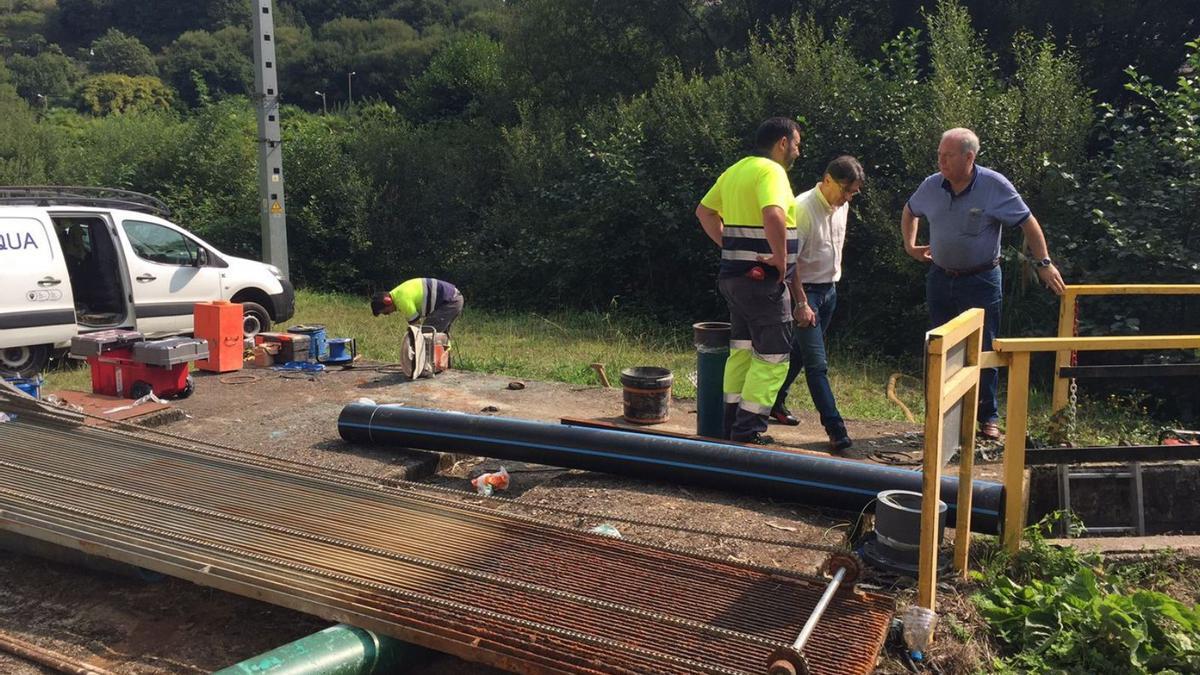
pixel 130 625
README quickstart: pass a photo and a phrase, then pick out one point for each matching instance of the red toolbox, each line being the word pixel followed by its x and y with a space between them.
pixel 115 373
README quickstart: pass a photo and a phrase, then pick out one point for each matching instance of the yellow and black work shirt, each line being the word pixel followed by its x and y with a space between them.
pixel 740 195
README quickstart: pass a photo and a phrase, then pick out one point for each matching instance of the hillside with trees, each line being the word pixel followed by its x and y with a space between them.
pixel 549 153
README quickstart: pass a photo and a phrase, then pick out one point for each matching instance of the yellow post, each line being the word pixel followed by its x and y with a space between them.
pixel 931 483
pixel 1014 450
pixel 1062 359
pixel 966 462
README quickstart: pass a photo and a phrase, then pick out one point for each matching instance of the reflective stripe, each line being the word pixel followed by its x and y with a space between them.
pixel 749 256
pixel 735 397
pixel 772 358
pixel 747 232
pixel 741 344
pixel 430 296
pixel 755 408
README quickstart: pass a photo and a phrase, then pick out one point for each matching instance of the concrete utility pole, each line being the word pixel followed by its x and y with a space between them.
pixel 270 150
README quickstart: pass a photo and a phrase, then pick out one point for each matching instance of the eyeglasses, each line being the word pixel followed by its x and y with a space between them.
pixel 849 190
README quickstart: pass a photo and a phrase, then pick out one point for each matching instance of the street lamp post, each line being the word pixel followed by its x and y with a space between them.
pixel 350 87
pixel 322 95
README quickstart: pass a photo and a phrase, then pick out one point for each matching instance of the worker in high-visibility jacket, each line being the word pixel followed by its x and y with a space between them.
pixel 427 301
pixel 750 214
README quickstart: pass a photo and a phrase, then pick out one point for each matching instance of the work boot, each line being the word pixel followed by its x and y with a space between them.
pixel 784 416
pixel 731 410
pixel 756 439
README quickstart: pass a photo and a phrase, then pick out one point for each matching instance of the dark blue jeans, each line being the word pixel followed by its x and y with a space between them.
pixel 948 297
pixel 808 352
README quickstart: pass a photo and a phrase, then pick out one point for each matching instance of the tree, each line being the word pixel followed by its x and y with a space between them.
pixel 221 61
pixel 113 93
pixel 116 52
pixel 27 150
pixel 463 79
pixel 573 53
pixel 78 22
pixel 47 77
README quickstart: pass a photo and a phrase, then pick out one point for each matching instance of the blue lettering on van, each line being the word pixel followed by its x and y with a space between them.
pixel 15 241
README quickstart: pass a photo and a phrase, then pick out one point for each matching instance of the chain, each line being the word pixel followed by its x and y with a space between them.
pixel 415 489
pixel 1072 411
pixel 406 594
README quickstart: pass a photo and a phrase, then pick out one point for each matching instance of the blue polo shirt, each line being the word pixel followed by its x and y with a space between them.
pixel 964 228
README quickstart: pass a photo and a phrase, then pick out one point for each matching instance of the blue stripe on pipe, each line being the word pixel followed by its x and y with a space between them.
pixel 487 441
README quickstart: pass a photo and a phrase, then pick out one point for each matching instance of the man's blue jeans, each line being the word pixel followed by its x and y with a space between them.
pixel 808 352
pixel 948 297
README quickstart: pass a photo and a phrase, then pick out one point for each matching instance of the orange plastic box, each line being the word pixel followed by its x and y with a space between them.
pixel 220 322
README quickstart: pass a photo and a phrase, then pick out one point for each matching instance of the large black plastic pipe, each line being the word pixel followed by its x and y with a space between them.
pixel 804 478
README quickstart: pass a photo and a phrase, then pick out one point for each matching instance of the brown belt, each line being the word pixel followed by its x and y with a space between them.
pixel 969 271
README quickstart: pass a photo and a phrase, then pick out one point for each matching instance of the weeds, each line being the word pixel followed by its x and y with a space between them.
pixel 1056 609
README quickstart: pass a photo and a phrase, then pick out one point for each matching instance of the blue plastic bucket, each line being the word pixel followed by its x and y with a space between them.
pixel 317 343
pixel 29 385
pixel 341 350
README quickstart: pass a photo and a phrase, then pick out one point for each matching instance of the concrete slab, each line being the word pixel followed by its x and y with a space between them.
pixel 1186 544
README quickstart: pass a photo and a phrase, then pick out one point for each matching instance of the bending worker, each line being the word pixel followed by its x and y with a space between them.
pixel 423 300
pixel 749 213
pixel 821 227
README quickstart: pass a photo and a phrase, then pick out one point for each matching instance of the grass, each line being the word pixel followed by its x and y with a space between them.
pixel 561 346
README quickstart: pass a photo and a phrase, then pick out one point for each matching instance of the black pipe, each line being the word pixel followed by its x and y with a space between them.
pixel 804 478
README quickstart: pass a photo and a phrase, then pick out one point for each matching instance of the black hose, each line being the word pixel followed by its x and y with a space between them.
pixel 804 478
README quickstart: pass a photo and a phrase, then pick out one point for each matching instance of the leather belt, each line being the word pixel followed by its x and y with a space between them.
pixel 969 271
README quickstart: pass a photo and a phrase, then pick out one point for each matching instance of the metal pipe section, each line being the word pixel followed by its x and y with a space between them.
pixel 819 610
pixel 337 650
pixel 807 478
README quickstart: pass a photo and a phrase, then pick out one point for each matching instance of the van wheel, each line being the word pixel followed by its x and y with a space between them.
pixel 255 319
pixel 24 361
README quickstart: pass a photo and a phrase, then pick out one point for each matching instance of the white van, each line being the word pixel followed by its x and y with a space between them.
pixel 75 260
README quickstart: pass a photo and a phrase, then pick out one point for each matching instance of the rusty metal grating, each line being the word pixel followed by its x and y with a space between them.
pixel 521 596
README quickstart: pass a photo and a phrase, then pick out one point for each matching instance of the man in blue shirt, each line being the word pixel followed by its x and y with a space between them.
pixel 967 207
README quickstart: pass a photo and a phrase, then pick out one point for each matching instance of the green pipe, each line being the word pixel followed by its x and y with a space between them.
pixel 712 350
pixel 337 650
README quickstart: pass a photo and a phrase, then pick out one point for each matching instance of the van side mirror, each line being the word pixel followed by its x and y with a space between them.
pixel 201 259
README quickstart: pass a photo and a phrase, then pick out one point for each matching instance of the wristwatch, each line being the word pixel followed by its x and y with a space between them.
pixel 1044 262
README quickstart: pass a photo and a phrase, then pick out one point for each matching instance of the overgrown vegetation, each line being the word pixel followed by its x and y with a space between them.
pixel 548 154
pixel 1055 609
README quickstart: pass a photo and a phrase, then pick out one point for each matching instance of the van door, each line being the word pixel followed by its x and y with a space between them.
pixel 170 273
pixel 36 305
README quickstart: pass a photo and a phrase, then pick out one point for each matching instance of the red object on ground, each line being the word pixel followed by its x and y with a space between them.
pixel 220 323
pixel 1179 441
pixel 115 373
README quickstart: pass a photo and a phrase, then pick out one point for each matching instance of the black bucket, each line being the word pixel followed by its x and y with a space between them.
pixel 647 394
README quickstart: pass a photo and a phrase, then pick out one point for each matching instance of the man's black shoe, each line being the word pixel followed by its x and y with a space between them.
pixel 757 439
pixel 784 416
pixel 840 444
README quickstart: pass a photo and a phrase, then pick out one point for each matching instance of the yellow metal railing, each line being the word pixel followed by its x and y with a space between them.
pixel 952 373
pixel 1068 312
pixel 953 361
